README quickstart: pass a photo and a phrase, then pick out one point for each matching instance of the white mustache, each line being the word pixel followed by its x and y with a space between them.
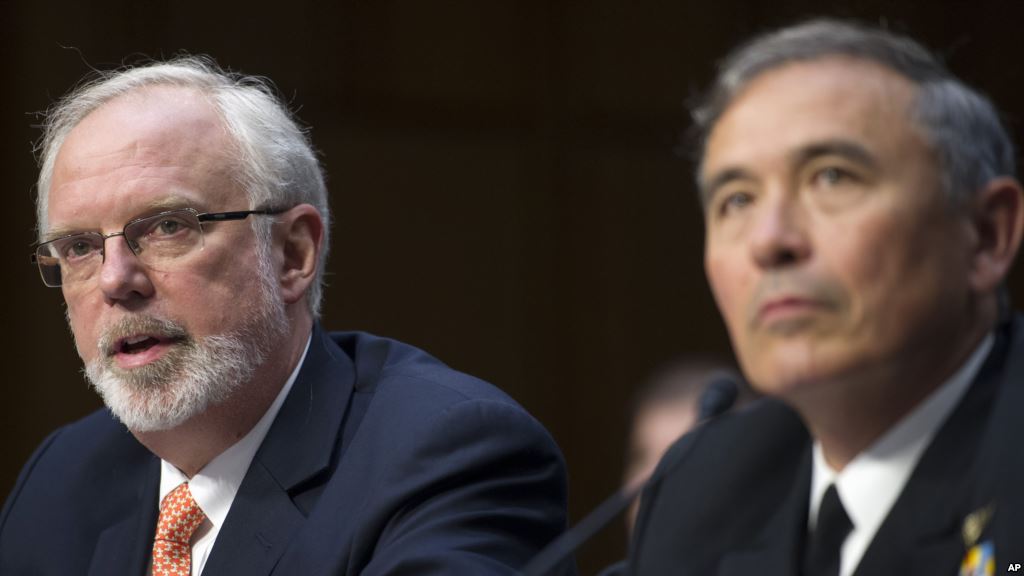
pixel 139 324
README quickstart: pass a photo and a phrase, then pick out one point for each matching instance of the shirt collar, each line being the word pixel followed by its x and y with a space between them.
pixel 869 485
pixel 214 487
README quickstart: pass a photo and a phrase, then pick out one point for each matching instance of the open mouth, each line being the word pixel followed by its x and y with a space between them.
pixel 136 341
pixel 140 349
pixel 140 343
pixel 136 344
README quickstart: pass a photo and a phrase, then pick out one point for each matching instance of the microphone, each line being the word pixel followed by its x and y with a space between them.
pixel 719 395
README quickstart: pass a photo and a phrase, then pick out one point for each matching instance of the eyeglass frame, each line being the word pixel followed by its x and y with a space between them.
pixel 200 217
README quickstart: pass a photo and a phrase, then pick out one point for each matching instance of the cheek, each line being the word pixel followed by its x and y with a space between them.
pixel 207 304
pixel 729 283
pixel 85 327
pixel 882 262
pixel 217 293
pixel 863 262
pixel 897 272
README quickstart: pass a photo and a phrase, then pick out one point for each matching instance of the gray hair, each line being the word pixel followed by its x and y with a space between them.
pixel 276 164
pixel 961 125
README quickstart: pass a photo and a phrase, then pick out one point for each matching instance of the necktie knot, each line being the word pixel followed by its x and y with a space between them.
pixel 180 516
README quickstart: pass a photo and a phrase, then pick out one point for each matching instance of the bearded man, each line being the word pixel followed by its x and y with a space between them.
pixel 183 214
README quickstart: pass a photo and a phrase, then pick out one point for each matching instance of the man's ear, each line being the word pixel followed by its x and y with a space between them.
pixel 299 233
pixel 997 216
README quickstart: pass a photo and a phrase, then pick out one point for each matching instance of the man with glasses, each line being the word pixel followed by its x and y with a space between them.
pixel 183 215
pixel 861 215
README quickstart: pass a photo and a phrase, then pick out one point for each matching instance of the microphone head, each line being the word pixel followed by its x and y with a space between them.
pixel 718 397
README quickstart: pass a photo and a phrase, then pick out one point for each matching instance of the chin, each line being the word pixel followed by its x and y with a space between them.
pixel 785 366
pixel 787 380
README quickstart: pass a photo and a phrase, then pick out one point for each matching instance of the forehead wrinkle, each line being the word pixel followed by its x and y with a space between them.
pixel 172 143
pixel 169 126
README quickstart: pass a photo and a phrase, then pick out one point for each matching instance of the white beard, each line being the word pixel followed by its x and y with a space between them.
pixel 180 385
pixel 194 373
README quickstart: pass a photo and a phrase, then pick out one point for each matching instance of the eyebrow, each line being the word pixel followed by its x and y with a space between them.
pixel 56 233
pixel 842 148
pixel 708 187
pixel 161 205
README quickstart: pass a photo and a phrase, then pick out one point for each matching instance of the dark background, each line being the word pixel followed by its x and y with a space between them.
pixel 503 176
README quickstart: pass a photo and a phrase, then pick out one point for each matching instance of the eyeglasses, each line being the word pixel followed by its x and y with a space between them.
pixel 156 241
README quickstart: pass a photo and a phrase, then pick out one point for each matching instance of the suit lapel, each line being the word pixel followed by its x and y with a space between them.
pixel 273 499
pixel 1002 459
pixel 261 522
pixel 776 548
pixel 922 532
pixel 125 546
pixel 920 536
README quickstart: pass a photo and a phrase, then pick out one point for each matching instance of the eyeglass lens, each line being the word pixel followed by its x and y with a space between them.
pixel 157 241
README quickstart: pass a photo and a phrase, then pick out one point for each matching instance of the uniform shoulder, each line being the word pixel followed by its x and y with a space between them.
pixel 94 437
pixel 383 364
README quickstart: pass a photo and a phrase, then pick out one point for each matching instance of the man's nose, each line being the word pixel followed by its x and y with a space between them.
pixel 780 237
pixel 122 275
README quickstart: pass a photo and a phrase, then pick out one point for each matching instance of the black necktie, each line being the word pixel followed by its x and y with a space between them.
pixel 821 557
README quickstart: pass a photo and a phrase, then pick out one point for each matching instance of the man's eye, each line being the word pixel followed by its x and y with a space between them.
pixel 168 227
pixel 734 202
pixel 832 176
pixel 78 249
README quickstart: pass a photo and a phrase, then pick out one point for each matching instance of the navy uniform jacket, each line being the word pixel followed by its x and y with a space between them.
pixel 382 460
pixel 731 498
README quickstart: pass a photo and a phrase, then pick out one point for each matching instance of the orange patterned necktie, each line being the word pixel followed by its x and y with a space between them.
pixel 179 518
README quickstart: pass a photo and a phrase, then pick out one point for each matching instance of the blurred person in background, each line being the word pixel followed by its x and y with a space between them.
pixel 667 406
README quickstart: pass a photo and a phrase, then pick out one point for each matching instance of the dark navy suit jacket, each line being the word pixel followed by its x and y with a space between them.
pixel 731 498
pixel 382 460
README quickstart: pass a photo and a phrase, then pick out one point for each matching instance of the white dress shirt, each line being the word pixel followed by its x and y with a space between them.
pixel 214 487
pixel 869 485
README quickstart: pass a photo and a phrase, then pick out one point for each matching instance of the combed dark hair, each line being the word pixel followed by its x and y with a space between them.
pixel 961 125
pixel 275 161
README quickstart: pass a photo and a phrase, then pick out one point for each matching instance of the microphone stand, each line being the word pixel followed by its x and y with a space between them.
pixel 717 398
